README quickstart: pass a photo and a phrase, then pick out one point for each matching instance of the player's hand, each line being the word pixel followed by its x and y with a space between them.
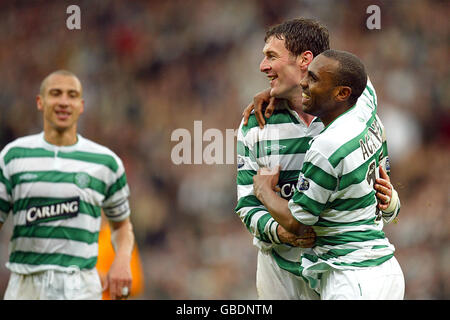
pixel 384 190
pixel 119 278
pixel 262 102
pixel 306 240
pixel 266 179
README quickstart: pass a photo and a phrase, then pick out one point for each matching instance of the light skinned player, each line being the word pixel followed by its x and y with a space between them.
pixel 353 258
pixel 53 185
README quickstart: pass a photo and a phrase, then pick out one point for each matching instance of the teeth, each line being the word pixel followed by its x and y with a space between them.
pixel 304 95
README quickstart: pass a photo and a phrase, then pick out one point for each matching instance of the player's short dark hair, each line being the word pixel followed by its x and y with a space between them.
pixel 351 72
pixel 301 35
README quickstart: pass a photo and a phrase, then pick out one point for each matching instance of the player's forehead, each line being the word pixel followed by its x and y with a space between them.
pixel 62 82
pixel 274 44
pixel 323 66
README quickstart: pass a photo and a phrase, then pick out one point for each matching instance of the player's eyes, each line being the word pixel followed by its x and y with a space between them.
pixel 312 77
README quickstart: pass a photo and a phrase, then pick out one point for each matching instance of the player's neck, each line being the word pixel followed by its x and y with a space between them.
pixel 61 138
pixel 334 113
pixel 295 103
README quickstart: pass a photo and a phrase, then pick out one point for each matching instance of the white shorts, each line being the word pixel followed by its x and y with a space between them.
pixel 383 282
pixel 55 285
pixel 274 283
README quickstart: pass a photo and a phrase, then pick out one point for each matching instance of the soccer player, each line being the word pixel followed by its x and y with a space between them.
pixel 289 49
pixel 352 257
pixel 55 184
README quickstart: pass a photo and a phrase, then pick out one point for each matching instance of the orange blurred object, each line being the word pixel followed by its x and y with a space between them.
pixel 106 256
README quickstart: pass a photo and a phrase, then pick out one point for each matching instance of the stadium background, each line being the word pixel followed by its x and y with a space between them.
pixel 150 67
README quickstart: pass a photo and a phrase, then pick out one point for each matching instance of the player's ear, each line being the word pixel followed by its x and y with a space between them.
pixel 343 93
pixel 39 102
pixel 305 58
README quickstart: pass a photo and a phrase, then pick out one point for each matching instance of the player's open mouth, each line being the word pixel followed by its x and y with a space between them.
pixel 62 115
pixel 272 78
pixel 305 96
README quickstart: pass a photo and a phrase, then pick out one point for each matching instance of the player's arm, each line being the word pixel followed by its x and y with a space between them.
pixel 117 210
pixel 317 182
pixel 388 200
pixel 119 275
pixel 264 184
pixel 250 210
pixel 262 103
pixel 5 192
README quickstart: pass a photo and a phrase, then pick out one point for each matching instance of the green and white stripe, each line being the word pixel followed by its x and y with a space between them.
pixel 35 173
pixel 283 141
pixel 340 201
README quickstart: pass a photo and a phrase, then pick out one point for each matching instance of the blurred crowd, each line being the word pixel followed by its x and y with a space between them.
pixel 151 67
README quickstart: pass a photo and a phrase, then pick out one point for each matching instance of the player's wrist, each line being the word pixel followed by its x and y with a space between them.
pixel 274 230
pixel 392 203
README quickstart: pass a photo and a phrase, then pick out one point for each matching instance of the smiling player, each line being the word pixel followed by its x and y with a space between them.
pixel 54 185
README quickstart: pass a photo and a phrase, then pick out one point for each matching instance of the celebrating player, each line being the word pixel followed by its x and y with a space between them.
pixel 290 48
pixel 352 257
pixel 55 185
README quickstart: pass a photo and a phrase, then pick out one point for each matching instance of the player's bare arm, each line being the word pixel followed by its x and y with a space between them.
pixel 119 275
pixel 307 240
pixel 264 186
pixel 262 102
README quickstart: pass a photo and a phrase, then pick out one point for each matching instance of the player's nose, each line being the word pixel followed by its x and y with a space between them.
pixel 64 101
pixel 304 83
pixel 264 66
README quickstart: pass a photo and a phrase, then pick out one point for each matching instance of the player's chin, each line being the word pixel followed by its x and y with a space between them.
pixel 62 125
pixel 306 105
pixel 277 92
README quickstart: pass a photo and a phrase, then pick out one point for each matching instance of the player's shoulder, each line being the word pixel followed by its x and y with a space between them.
pixel 325 144
pixel 279 117
pixel 93 146
pixel 368 98
pixel 89 146
pixel 26 140
pixel 29 141
pixel 251 123
pixel 338 134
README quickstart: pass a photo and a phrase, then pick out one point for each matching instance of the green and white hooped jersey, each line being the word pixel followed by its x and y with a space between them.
pixel 55 195
pixel 283 141
pixel 335 192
